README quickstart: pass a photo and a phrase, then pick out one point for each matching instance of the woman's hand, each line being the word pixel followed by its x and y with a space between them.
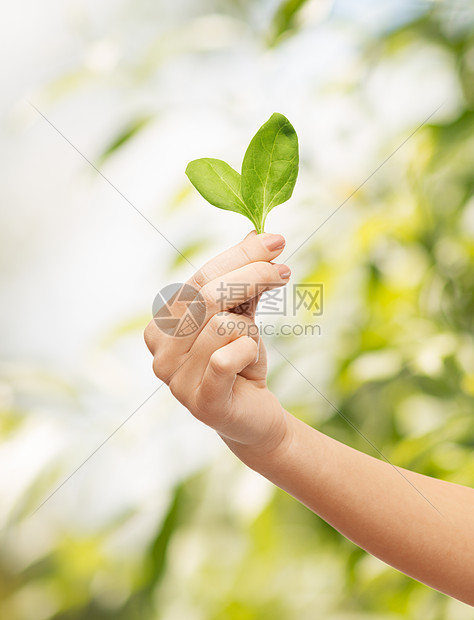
pixel 219 371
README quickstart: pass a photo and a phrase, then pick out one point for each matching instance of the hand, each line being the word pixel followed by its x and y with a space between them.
pixel 219 371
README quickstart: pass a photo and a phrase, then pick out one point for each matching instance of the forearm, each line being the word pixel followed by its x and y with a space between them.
pixel 420 525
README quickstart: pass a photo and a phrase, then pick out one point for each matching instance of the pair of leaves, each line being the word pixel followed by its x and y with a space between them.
pixel 269 172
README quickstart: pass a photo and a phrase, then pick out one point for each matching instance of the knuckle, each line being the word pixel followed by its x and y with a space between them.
pixel 266 272
pixel 174 385
pixel 245 251
pixel 150 336
pixel 162 367
pixel 200 402
pixel 207 297
pixel 197 279
pixel 220 364
pixel 201 277
pixel 201 407
pixel 157 366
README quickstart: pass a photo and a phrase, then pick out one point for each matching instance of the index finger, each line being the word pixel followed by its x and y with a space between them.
pixel 254 248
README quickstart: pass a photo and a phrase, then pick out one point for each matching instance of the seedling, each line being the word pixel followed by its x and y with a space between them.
pixel 268 177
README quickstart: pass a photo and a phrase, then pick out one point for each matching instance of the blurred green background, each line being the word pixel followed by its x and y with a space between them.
pixel 163 522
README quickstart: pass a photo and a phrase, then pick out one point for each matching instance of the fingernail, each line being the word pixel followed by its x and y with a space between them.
pixel 284 271
pixel 274 242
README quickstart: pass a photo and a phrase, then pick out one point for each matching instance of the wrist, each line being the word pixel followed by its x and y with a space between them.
pixel 269 449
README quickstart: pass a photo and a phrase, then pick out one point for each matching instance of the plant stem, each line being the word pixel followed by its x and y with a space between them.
pixel 259 226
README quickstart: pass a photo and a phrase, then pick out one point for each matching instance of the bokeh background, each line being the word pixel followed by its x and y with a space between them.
pixel 163 522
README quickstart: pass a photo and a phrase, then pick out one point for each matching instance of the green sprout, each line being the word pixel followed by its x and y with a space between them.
pixel 268 177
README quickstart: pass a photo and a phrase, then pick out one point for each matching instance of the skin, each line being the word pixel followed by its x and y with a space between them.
pixel 420 525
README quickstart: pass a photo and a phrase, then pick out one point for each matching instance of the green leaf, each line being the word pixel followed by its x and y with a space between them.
pixel 219 184
pixel 270 167
pixel 269 172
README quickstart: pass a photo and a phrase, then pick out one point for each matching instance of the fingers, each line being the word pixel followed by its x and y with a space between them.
pixel 258 370
pixel 220 375
pixel 233 278
pixel 219 295
pixel 221 329
pixel 242 284
pixel 263 247
pixel 248 308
